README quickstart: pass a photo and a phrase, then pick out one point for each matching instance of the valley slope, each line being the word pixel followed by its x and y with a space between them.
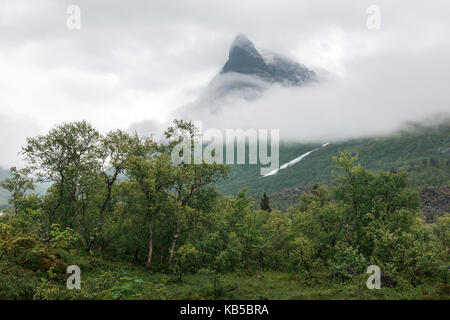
pixel 423 151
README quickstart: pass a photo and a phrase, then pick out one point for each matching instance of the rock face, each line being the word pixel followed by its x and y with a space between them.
pixel 245 59
pixel 435 202
pixel 246 75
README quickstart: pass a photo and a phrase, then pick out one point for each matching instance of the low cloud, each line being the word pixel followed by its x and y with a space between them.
pixel 14 129
pixel 377 96
pixel 136 60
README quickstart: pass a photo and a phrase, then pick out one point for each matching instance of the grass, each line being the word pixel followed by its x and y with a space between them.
pixel 285 286
pixel 110 279
pixel 100 279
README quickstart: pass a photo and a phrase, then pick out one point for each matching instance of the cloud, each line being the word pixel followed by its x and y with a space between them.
pixel 153 128
pixel 135 60
pixel 377 96
pixel 14 128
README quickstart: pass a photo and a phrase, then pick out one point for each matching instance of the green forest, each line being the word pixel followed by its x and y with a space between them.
pixel 141 227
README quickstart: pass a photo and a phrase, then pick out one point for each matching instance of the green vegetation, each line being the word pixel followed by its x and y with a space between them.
pixel 265 203
pixel 422 151
pixel 165 232
pixel 17 184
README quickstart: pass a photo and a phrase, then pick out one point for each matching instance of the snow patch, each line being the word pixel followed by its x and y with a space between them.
pixel 296 160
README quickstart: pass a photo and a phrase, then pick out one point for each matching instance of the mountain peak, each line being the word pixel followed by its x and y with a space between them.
pixel 241 41
pixel 248 73
pixel 244 58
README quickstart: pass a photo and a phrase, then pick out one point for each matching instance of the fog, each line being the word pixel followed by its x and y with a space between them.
pixel 377 96
pixel 136 65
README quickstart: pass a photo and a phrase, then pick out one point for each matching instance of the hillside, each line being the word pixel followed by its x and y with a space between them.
pixel 423 151
pixel 203 245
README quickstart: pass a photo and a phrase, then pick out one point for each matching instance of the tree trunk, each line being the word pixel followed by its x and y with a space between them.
pixel 100 220
pixel 77 218
pixel 103 207
pixel 150 242
pixel 52 217
pixel 15 205
pixel 174 242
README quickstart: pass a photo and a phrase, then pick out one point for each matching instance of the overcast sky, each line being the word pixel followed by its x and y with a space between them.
pixel 133 61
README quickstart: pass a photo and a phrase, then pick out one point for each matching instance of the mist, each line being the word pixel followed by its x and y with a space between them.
pixel 376 96
pixel 136 66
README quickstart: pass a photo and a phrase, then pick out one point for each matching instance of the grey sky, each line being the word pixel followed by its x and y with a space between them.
pixel 140 60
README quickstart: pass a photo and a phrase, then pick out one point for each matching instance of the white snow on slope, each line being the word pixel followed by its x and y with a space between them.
pixel 292 162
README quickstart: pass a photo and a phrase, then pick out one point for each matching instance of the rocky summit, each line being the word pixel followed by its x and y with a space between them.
pixel 244 58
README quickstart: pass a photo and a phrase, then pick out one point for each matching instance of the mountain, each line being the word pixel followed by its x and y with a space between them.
pixel 423 151
pixel 243 58
pixel 248 73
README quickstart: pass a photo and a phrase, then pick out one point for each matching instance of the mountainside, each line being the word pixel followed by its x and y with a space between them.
pixel 249 72
pixel 435 199
pixel 245 59
pixel 422 151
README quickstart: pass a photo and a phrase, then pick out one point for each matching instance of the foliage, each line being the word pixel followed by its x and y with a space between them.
pixel 265 203
pixel 186 259
pixel 18 183
pixel 127 288
pixel 142 227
